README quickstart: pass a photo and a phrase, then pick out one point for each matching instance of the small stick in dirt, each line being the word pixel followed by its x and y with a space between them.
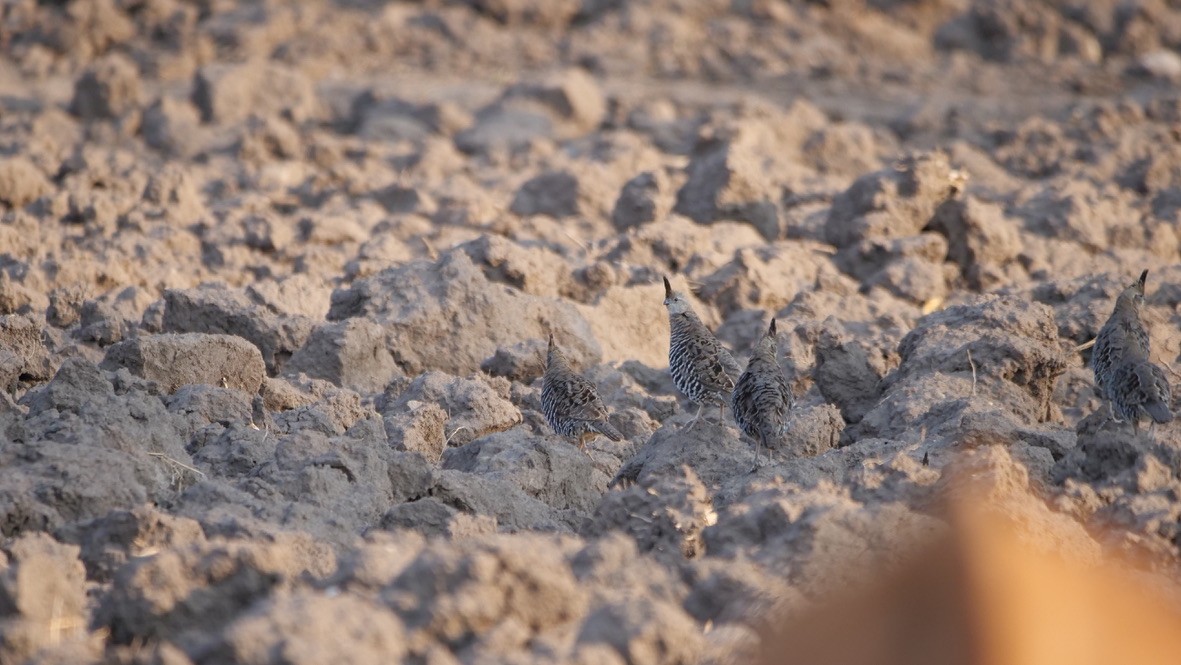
pixel 182 465
pixel 55 621
pixel 581 245
pixel 1167 366
pixel 430 249
pixel 973 366
pixel 1083 347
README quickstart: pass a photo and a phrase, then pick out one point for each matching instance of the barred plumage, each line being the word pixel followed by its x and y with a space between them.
pixel 1123 333
pixel 761 399
pixel 571 404
pixel 1140 388
pixel 701 367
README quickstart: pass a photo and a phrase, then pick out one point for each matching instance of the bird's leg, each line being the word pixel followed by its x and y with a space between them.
pixel 582 442
pixel 1136 427
pixel 721 413
pixel 693 422
pixel 758 445
pixel 1111 413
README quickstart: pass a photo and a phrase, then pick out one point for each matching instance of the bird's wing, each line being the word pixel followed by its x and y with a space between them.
pixel 716 368
pixel 784 402
pixel 1152 382
pixel 731 366
pixel 1159 400
pixel 582 400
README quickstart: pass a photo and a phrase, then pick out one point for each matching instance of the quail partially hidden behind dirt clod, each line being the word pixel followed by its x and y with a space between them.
pixel 1123 333
pixel 1139 388
pixel 571 404
pixel 762 399
pixel 701 367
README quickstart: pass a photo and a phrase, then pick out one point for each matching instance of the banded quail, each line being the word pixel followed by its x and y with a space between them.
pixel 571 404
pixel 1123 333
pixel 762 399
pixel 1140 388
pixel 701 367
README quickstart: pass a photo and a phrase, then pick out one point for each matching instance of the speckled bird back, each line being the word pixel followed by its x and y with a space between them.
pixel 571 404
pixel 762 400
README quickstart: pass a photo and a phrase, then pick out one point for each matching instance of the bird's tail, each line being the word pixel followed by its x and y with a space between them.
pixel 1159 411
pixel 608 430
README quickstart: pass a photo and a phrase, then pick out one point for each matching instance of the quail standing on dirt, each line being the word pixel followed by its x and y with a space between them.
pixel 762 399
pixel 1138 388
pixel 1124 333
pixel 570 403
pixel 701 367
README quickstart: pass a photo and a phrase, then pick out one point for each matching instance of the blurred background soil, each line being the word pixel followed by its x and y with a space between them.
pixel 276 278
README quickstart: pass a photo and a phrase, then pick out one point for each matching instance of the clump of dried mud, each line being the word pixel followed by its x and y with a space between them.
pixel 275 280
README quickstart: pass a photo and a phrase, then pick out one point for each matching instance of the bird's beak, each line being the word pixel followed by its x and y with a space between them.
pixel 1143 278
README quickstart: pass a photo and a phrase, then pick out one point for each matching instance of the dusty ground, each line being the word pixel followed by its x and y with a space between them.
pixel 275 276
